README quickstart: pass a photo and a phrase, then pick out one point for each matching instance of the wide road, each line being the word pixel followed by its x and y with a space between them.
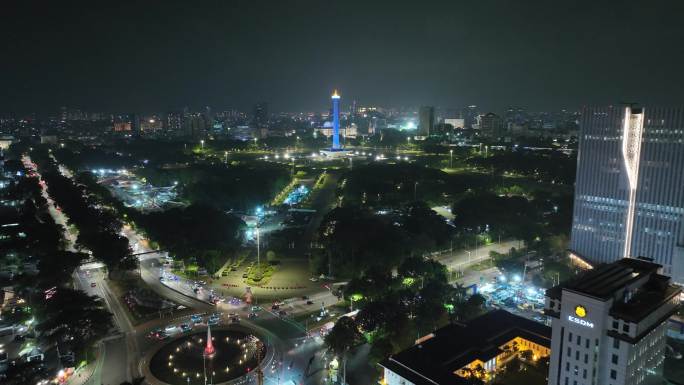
pixel 459 260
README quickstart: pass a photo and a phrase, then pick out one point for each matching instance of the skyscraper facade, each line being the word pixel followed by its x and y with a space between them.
pixel 629 199
pixel 426 120
pixel 260 116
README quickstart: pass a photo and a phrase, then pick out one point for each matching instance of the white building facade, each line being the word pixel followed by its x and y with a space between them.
pixel 608 326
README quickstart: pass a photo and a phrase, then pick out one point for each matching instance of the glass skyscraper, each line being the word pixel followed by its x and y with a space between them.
pixel 629 192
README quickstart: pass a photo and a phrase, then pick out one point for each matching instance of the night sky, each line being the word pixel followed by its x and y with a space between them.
pixel 162 55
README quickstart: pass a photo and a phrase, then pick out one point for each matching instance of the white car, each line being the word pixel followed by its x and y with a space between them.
pixel 170 329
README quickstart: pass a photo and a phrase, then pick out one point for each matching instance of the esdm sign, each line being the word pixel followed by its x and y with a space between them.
pixel 580 312
pixel 580 321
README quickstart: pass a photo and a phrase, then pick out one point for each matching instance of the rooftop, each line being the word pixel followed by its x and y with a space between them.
pixel 652 295
pixel 603 281
pixel 435 360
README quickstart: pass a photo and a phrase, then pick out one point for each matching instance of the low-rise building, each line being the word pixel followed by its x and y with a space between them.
pixel 479 348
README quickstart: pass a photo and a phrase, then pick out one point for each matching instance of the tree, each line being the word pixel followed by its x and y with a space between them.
pixel 343 336
pixel 53 268
pixel 381 349
pixel 73 318
pixel 195 231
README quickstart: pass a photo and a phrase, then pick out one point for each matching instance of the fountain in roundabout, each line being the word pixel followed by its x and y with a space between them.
pixel 207 358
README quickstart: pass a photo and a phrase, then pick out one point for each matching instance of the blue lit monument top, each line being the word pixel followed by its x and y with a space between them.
pixel 335 151
pixel 336 121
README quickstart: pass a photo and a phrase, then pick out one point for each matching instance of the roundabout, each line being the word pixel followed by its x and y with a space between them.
pixel 212 356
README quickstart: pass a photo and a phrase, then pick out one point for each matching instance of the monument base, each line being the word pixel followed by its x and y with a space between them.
pixel 330 153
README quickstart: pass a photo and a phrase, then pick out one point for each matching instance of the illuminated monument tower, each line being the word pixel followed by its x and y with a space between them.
pixel 336 150
pixel 336 121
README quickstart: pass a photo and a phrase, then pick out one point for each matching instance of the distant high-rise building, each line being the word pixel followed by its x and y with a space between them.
pixel 122 126
pixel 208 117
pixel 426 120
pixel 471 115
pixel 490 123
pixel 151 125
pixel 174 124
pixel 260 117
pixel 455 122
pixel 195 125
pixel 629 199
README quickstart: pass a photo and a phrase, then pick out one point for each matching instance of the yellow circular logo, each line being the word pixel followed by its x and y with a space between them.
pixel 580 311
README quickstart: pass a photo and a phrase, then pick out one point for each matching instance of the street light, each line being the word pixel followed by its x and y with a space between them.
pixel 451 157
pixel 202 143
pixel 225 153
pixel 258 246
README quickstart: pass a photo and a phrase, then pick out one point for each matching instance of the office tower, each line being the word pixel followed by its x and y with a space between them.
pixel 629 199
pixel 174 124
pixel 490 123
pixel 426 120
pixel 471 115
pixel 260 117
pixel 336 120
pixel 195 125
pixel 609 324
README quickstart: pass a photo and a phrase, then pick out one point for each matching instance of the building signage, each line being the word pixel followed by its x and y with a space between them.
pixel 580 312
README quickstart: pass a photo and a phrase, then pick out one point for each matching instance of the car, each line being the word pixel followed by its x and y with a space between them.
pixel 282 313
pixel 309 302
pixel 196 318
pixel 305 297
pixel 213 321
pixel 244 275
pixel 170 329
pixel 93 284
pixel 235 320
pixel 275 307
pixel 185 328
pixel 158 335
pixel 252 315
pixel 313 279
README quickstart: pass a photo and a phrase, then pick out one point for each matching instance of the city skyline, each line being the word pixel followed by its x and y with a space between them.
pixel 164 56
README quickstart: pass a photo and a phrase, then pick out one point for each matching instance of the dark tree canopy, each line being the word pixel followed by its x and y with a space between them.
pixel 194 231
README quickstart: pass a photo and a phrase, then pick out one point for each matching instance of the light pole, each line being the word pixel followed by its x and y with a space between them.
pixel 225 154
pixel 415 190
pixel 258 246
pixel 451 158
pixel 202 144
